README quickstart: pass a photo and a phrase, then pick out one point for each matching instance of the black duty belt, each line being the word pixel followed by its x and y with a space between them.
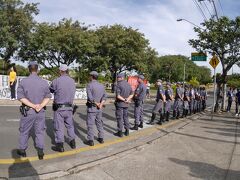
pixel 57 106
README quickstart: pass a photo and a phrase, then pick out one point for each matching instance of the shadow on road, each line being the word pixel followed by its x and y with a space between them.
pixel 18 170
pixel 207 171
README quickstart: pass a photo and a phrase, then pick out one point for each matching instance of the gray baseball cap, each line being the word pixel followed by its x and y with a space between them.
pixel 63 67
pixel 94 73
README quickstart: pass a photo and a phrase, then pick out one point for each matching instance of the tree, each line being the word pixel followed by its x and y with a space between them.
pixel 53 44
pixel 15 26
pixel 121 48
pixel 171 68
pixel 223 38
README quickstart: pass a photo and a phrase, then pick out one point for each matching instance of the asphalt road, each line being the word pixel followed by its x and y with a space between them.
pixel 9 124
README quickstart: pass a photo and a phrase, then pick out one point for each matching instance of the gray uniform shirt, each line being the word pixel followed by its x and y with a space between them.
pixel 33 88
pixel 178 93
pixel 64 89
pixel 168 94
pixel 95 93
pixel 160 93
pixel 123 89
pixel 140 92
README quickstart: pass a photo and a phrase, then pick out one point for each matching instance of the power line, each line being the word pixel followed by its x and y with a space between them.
pixel 221 6
pixel 207 9
pixel 200 9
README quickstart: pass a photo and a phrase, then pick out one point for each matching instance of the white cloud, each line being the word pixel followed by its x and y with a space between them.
pixel 155 18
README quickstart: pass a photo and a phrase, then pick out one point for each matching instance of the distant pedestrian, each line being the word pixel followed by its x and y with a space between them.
pixel 139 96
pixel 34 94
pixel 124 94
pixel 186 101
pixel 237 100
pixel 148 90
pixel 63 89
pixel 13 81
pixel 230 99
pixel 96 97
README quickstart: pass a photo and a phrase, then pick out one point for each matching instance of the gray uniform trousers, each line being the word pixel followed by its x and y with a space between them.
pixel 94 118
pixel 36 120
pixel 122 118
pixel 138 112
pixel 158 107
pixel 61 118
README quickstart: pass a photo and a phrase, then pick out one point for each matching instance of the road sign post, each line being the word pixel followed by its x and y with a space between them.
pixel 214 62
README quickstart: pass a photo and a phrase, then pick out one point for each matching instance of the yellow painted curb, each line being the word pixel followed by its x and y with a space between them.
pixel 133 136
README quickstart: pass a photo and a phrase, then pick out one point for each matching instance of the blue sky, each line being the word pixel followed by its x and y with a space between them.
pixel 155 18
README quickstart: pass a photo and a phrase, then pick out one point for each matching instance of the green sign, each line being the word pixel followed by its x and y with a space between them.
pixel 198 56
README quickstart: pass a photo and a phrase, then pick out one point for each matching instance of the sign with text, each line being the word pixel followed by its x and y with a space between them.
pixel 198 56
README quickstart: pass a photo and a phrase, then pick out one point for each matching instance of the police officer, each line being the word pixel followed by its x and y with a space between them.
pixel 191 98
pixel 186 101
pixel 124 94
pixel 177 102
pixel 33 92
pixel 63 89
pixel 160 100
pixel 169 99
pixel 139 95
pixel 96 96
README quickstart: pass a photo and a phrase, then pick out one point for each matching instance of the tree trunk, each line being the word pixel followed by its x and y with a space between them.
pixel 224 81
pixel 114 78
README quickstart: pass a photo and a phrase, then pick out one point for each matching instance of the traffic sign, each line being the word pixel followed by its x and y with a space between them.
pixel 198 56
pixel 214 61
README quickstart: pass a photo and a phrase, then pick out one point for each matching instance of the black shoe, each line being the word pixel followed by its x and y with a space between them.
pixel 150 122
pixel 134 127
pixel 21 152
pixel 89 142
pixel 159 122
pixel 40 153
pixel 59 147
pixel 140 125
pixel 174 114
pixel 72 144
pixel 167 116
pixel 126 133
pixel 119 134
pixel 100 140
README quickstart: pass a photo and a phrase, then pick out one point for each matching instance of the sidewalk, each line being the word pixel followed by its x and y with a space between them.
pixel 203 148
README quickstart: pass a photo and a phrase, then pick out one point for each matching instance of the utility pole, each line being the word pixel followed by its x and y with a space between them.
pixel 214 6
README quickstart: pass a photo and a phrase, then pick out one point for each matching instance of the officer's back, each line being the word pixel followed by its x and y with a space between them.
pixel 64 89
pixel 124 89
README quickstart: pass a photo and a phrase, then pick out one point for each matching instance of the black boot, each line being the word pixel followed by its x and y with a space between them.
pixel 126 133
pixel 58 147
pixel 135 127
pixel 21 152
pixel 190 112
pixel 183 113
pixel 40 153
pixel 100 140
pixel 119 134
pixel 89 142
pixel 167 116
pixel 174 114
pixel 140 125
pixel 152 119
pixel 178 114
pixel 72 144
pixel 162 117
pixel 186 113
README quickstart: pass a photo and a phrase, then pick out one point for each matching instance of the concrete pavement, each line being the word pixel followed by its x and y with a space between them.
pixel 200 148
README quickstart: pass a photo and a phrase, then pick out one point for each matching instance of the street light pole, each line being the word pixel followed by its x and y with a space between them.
pixel 189 22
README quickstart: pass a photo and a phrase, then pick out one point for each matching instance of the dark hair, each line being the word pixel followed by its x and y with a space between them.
pixel 94 77
pixel 14 68
pixel 33 68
